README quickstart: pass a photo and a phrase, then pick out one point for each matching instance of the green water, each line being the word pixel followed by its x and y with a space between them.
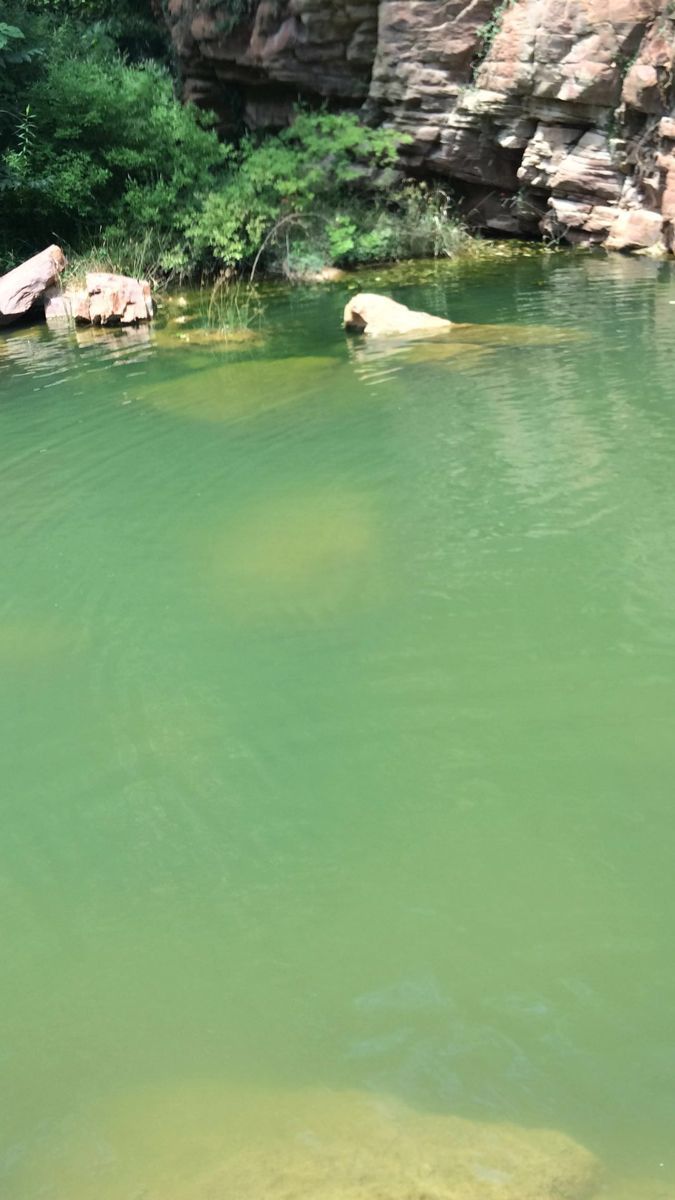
pixel 337 686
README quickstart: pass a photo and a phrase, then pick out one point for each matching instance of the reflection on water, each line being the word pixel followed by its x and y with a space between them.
pixel 463 348
pixel 336 684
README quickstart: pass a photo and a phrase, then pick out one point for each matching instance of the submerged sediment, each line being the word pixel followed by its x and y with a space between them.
pixel 205 1142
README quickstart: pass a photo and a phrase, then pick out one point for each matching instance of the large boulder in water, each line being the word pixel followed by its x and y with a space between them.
pixel 23 287
pixel 380 315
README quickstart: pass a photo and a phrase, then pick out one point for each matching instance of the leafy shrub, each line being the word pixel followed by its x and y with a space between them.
pixel 13 47
pixel 93 143
pixel 279 179
pixel 130 24
pixel 321 192
pixel 97 153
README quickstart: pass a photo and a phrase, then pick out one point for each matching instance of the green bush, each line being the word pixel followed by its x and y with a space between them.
pixel 321 192
pixel 93 144
pixel 130 24
pixel 98 154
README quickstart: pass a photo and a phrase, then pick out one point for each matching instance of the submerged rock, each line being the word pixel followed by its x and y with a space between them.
pixel 469 345
pixel 380 316
pixel 203 1141
pixel 350 1146
pixel 236 391
pixel 23 287
pixel 30 644
pixel 222 338
pixel 309 554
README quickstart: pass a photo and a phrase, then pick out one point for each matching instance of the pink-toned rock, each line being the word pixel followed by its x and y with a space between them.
pixel 589 169
pixel 527 104
pixel 641 87
pixel 666 162
pixel 114 298
pixel 23 287
pixel 545 153
pixel 106 300
pixel 636 230
pixel 646 86
pixel 57 304
pixel 302 45
pixel 578 223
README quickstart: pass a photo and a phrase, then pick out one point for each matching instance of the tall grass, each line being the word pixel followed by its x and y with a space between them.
pixel 142 259
pixel 231 306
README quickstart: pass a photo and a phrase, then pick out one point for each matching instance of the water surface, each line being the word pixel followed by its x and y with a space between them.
pixel 337 685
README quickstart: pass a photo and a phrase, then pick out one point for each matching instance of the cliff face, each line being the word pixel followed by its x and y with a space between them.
pixel 551 115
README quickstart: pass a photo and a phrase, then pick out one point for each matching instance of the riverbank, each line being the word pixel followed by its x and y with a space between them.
pixel 230 308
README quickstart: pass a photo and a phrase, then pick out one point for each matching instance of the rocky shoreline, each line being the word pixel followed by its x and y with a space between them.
pixel 35 288
pixel 551 119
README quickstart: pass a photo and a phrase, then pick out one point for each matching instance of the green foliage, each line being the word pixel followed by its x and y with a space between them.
pixel 233 306
pixel 317 157
pixel 97 152
pixel 13 47
pixel 487 32
pixel 321 192
pixel 144 256
pixel 129 24
pixel 92 143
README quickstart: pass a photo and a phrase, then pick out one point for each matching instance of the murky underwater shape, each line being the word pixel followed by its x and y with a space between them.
pixel 336 684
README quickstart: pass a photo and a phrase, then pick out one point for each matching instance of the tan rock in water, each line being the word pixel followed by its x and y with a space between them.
pixel 379 316
pixel 21 288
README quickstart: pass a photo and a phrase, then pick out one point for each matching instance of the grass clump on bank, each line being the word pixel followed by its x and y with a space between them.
pixel 97 154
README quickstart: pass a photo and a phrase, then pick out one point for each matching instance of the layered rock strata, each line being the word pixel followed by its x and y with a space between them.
pixel 104 300
pixel 554 116
pixel 279 51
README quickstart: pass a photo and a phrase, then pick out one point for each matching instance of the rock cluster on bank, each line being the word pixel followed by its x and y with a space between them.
pixel 106 299
pixel 554 117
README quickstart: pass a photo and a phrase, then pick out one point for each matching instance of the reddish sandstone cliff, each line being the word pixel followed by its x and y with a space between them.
pixel 556 115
